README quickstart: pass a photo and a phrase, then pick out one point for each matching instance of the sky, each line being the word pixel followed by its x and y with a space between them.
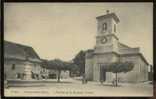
pixel 61 30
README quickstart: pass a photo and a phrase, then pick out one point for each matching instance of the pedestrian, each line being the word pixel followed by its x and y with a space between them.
pixel 6 85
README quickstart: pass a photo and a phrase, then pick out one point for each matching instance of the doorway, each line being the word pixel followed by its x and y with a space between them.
pixel 102 73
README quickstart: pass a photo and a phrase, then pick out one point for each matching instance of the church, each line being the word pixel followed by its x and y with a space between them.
pixel 109 49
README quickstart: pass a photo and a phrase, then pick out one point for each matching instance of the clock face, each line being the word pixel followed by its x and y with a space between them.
pixel 103 40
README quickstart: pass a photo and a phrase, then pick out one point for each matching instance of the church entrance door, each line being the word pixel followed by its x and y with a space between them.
pixel 102 74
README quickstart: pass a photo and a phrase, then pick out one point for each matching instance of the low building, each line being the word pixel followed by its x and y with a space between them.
pixel 65 74
pixel 21 62
pixel 53 74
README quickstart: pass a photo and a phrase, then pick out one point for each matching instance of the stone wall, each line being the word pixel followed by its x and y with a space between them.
pixel 10 73
pixel 20 67
pixel 103 59
pixel 139 72
pixel 89 66
pixel 143 71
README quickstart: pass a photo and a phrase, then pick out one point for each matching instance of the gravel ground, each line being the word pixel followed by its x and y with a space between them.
pixel 76 88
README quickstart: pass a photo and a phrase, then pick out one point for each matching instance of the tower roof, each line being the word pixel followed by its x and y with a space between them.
pixel 109 15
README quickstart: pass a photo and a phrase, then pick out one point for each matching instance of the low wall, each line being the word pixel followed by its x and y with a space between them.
pixel 30 83
pixel 24 83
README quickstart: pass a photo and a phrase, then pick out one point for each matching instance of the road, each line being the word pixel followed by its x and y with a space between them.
pixel 76 88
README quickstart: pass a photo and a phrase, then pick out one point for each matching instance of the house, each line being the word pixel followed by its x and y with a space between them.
pixel 65 74
pixel 109 49
pixel 21 62
pixel 52 72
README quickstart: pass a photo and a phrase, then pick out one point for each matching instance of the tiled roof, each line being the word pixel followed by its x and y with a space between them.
pixel 21 52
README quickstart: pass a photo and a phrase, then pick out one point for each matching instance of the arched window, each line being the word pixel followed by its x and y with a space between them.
pixel 104 27
pixel 18 75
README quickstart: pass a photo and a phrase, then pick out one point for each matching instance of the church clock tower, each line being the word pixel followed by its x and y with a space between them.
pixel 106 39
pixel 108 50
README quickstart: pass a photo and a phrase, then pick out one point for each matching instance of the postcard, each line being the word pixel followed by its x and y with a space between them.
pixel 78 49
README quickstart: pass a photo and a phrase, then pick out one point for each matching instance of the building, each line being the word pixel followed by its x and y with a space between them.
pixel 53 74
pixel 109 49
pixel 21 62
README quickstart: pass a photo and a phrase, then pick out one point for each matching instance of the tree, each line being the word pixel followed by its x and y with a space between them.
pixel 79 60
pixel 71 67
pixel 56 64
pixel 118 67
pixel 59 65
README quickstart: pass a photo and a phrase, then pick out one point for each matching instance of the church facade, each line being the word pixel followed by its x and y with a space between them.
pixel 109 49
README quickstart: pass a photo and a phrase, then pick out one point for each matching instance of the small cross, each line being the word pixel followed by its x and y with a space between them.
pixel 107 11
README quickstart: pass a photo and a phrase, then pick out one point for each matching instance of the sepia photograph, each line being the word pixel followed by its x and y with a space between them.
pixel 78 49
